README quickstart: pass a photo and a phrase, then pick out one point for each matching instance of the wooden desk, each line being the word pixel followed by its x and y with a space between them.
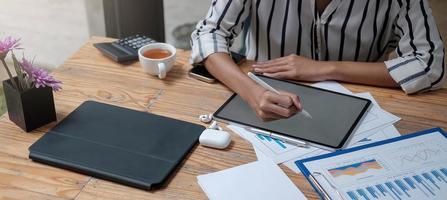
pixel 88 75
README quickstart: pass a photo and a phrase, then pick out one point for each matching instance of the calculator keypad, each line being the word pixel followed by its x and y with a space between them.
pixel 135 42
pixel 125 49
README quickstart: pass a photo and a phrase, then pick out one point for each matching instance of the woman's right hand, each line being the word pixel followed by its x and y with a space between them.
pixel 267 105
pixel 271 106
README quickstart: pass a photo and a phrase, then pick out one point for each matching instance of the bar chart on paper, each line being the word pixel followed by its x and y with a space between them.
pixel 414 168
pixel 424 175
pixel 274 144
pixel 431 184
pixel 277 150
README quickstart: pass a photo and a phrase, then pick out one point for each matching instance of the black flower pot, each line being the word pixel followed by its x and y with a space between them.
pixel 30 109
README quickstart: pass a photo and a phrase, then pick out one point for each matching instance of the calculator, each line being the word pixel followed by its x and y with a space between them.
pixel 125 49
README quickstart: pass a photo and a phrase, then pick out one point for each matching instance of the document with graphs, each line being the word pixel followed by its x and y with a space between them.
pixel 412 166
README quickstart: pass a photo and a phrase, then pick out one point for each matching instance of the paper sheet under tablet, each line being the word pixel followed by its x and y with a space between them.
pixel 332 114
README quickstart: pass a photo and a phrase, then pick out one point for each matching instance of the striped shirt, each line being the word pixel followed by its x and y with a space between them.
pixel 348 30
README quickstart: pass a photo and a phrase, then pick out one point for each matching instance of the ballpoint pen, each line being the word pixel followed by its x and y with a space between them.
pixel 271 89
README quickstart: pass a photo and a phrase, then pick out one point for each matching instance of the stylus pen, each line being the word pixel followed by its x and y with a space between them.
pixel 271 89
pixel 292 141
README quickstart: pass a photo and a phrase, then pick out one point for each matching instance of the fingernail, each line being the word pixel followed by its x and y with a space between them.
pixel 257 69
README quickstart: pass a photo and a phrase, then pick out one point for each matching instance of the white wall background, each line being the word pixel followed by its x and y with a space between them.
pixel 179 12
pixel 50 30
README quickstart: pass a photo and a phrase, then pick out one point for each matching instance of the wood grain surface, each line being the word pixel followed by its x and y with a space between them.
pixel 88 75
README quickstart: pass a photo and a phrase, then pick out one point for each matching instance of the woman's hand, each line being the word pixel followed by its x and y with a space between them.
pixel 266 105
pixel 303 69
pixel 294 67
pixel 271 106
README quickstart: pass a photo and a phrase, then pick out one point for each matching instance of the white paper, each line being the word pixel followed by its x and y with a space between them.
pixel 386 133
pixel 260 180
pixel 376 117
pixel 259 154
pixel 333 86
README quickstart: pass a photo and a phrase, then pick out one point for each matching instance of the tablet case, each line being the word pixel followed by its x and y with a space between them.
pixel 129 147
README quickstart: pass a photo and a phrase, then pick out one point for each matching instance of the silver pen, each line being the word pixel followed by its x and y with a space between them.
pixel 323 192
pixel 312 177
pixel 271 89
pixel 292 141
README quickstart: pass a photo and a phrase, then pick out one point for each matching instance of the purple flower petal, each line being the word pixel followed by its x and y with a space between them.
pixel 27 66
pixel 40 77
pixel 9 43
pixel 43 79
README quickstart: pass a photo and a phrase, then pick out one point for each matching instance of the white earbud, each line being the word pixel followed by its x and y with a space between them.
pixel 215 126
pixel 206 118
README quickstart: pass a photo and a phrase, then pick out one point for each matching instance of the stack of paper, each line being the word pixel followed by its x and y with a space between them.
pixel 257 180
pixel 377 125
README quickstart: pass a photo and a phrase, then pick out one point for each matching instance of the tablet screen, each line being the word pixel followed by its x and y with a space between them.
pixel 334 115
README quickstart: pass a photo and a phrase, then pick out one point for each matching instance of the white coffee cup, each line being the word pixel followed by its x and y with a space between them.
pixel 158 67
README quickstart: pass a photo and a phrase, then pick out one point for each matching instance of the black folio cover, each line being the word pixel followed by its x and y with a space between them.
pixel 109 142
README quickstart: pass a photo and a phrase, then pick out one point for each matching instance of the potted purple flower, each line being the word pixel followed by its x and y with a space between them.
pixel 29 95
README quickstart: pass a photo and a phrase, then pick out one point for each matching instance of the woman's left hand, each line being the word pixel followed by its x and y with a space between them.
pixel 294 67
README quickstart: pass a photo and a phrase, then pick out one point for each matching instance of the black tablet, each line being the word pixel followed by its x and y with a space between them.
pixel 334 115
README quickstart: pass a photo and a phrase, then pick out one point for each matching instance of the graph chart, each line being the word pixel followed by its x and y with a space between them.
pixel 407 168
pixel 277 150
pixel 273 144
pixel 356 168
pixel 419 156
pixel 429 184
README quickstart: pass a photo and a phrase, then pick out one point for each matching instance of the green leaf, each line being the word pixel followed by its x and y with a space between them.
pixel 18 68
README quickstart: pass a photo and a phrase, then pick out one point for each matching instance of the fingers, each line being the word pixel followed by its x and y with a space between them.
pixel 279 75
pixel 268 116
pixel 283 68
pixel 283 100
pixel 272 69
pixel 278 61
pixel 279 110
pixel 276 106
pixel 273 112
pixel 294 98
pixel 271 63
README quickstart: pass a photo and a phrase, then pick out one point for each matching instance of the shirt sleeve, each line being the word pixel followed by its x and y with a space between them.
pixel 420 65
pixel 215 33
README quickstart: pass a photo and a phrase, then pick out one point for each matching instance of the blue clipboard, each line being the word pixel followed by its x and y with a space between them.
pixel 306 172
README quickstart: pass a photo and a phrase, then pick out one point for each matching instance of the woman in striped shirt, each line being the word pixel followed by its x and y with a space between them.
pixel 317 40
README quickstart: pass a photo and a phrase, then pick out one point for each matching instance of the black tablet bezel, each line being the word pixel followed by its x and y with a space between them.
pixel 340 145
